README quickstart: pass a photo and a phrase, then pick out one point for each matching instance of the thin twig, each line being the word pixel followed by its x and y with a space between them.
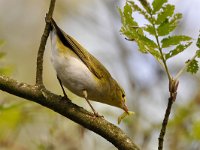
pixel 164 124
pixel 173 87
pixel 161 53
pixel 39 69
pixel 181 71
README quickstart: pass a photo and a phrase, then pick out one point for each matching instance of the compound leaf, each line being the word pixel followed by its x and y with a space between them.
pixel 198 42
pixel 146 45
pixel 167 26
pixel 135 7
pixel 157 4
pixel 146 5
pixel 193 67
pixel 129 27
pixel 167 11
pixel 180 48
pixel 174 40
pixel 126 16
pixel 198 53
pixel 150 29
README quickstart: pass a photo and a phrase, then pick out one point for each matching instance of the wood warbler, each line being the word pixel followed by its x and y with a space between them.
pixel 82 73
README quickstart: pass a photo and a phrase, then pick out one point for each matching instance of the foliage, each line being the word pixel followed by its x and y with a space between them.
pixel 193 66
pixel 10 117
pixel 185 125
pixel 198 42
pixel 3 70
pixel 162 20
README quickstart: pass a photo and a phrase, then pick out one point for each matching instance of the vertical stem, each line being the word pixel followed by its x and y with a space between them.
pixel 184 67
pixel 164 123
pixel 39 69
pixel 162 56
pixel 161 53
pixel 173 85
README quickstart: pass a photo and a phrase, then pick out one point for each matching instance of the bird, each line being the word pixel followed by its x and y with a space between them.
pixel 81 73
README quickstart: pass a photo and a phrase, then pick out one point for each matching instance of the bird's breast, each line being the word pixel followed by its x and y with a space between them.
pixel 73 73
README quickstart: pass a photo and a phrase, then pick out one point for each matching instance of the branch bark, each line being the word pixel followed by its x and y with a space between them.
pixel 39 69
pixel 77 114
pixel 39 94
pixel 164 124
pixel 173 87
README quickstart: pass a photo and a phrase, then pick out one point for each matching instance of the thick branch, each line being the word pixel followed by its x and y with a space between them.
pixel 77 114
pixel 39 71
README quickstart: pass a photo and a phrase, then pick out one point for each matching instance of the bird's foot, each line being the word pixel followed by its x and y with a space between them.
pixel 65 98
pixel 96 114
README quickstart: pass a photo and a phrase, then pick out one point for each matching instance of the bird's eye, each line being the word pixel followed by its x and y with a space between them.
pixel 123 95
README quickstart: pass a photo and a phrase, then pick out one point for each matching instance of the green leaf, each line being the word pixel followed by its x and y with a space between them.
pixel 145 49
pixel 148 42
pixel 176 18
pixel 167 11
pixel 147 45
pixel 131 33
pixel 196 130
pixel 5 70
pixel 146 5
pixel 177 50
pixel 150 29
pixel 127 18
pixel 193 66
pixel 2 42
pixel 198 53
pixel 142 47
pixel 10 117
pixel 129 27
pixel 198 42
pixel 167 26
pixel 174 40
pixel 135 7
pixel 2 55
pixel 157 4
pixel 155 53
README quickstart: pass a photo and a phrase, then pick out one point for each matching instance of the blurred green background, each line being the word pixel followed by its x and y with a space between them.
pixel 95 24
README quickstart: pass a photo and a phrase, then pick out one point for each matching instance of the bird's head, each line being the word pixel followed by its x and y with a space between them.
pixel 118 96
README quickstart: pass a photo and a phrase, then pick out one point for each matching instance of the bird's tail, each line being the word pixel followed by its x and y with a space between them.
pixel 60 33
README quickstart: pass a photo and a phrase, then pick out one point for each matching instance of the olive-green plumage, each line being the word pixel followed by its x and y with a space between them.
pixel 81 72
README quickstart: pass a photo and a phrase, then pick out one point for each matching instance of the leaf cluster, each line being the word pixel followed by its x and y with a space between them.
pixel 162 20
pixel 3 70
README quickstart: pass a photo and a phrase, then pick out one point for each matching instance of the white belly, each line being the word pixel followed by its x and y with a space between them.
pixel 73 73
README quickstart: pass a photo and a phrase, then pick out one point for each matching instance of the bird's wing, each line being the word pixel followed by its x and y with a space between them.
pixel 89 60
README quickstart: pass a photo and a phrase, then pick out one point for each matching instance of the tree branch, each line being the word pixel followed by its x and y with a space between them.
pixel 164 124
pixel 39 69
pixel 42 96
pixel 173 87
pixel 77 114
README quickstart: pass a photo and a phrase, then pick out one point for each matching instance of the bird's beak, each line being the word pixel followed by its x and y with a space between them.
pixel 125 108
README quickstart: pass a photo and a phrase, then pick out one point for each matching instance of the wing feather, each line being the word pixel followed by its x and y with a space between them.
pixel 88 59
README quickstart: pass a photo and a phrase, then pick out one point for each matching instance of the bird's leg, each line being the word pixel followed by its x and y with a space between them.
pixel 65 95
pixel 86 98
